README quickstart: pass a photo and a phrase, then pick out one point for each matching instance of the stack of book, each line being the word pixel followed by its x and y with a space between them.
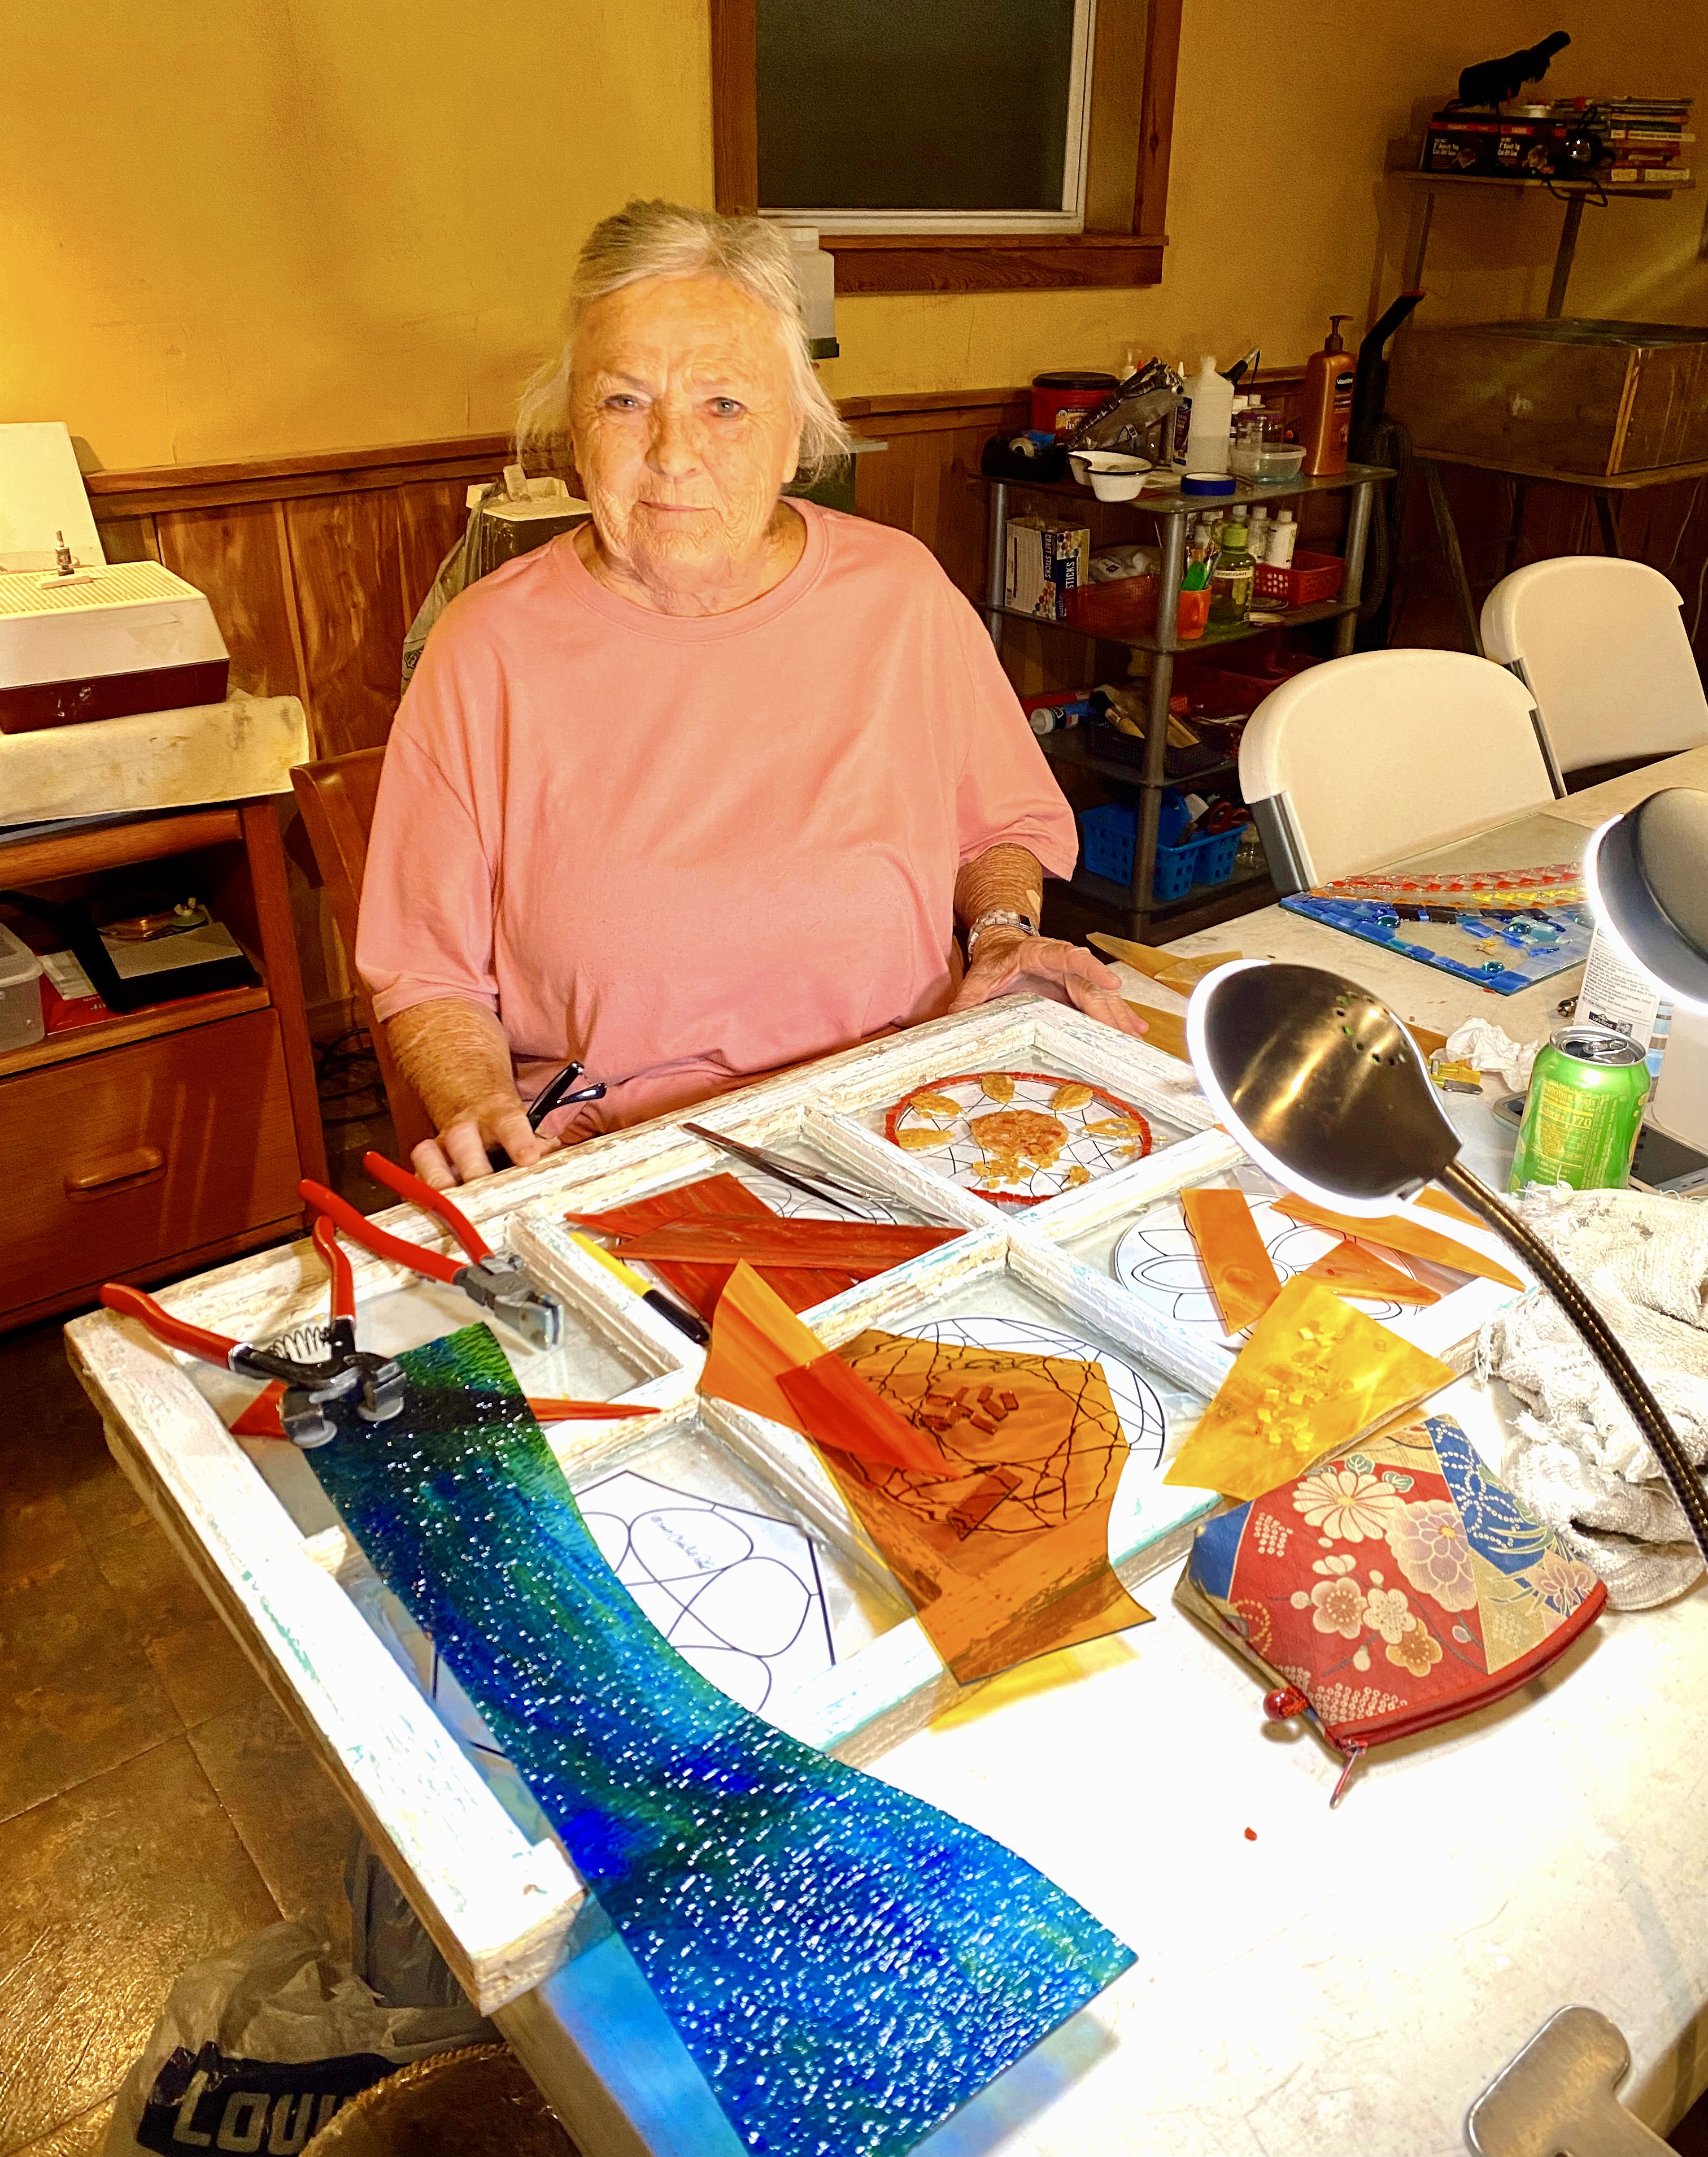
pixel 1648 140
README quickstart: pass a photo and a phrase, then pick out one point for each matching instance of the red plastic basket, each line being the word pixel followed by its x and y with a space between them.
pixel 1127 607
pixel 1310 578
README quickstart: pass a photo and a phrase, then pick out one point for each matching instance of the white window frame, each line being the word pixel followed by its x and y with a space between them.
pixel 1070 218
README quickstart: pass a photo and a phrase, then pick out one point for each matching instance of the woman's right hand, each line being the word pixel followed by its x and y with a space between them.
pixel 462 1150
pixel 456 1056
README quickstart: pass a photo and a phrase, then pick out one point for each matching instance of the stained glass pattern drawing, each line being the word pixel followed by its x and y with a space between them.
pixel 1143 1423
pixel 737 1594
pixel 1018 1137
pixel 1158 1261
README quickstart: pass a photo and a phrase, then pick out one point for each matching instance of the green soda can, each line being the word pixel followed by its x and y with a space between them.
pixel 1583 1112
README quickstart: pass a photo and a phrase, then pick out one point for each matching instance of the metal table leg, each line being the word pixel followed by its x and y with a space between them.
pixel 1562 258
pixel 996 568
pixel 1447 533
pixel 1515 530
pixel 1352 581
pixel 1174 558
pixel 1607 517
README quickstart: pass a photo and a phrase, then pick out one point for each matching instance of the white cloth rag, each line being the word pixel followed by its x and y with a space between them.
pixel 1577 1459
pixel 1481 1043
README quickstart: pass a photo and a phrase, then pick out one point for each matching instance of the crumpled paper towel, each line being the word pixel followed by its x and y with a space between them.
pixel 1482 1044
pixel 1576 1459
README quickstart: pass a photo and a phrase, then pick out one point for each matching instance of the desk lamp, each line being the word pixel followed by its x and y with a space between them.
pixel 1325 1087
pixel 1648 876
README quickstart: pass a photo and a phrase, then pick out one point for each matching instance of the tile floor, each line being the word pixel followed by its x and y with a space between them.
pixel 155 1805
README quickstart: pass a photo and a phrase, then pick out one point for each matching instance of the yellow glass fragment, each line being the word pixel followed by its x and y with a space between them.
pixel 1314 1375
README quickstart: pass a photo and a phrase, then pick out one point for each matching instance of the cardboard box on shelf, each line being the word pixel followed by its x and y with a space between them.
pixel 1048 558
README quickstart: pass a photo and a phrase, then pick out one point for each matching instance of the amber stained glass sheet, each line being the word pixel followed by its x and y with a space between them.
pixel 845 1963
pixel 998 1528
pixel 1314 1374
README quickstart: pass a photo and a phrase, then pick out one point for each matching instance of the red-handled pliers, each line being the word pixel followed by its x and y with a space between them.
pixel 494 1280
pixel 375 1384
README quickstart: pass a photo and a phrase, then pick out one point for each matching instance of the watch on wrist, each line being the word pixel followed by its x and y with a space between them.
pixel 999 917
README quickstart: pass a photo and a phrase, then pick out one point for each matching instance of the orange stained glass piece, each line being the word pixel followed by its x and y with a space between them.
pixel 1163 1029
pixel 1437 1201
pixel 1231 1251
pixel 700 1284
pixel 1394 1233
pixel 1315 1374
pixel 261 1417
pixel 864 1248
pixel 755 1338
pixel 763 1358
pixel 1002 1537
pixel 836 1410
pixel 1352 1270
pixel 1005 1548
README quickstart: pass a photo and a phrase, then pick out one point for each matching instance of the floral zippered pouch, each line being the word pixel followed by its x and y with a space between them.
pixel 1397 1585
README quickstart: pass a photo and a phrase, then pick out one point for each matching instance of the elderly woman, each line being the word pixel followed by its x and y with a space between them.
pixel 702 788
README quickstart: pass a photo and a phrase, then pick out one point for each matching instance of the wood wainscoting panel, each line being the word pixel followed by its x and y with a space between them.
pixel 432 515
pixel 926 481
pixel 344 555
pixel 232 554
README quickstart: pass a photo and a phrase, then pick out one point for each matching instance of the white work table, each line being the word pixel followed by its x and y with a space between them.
pixel 1423 995
pixel 1341 1984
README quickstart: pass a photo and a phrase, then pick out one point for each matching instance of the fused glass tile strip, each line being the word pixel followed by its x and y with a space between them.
pixel 845 1963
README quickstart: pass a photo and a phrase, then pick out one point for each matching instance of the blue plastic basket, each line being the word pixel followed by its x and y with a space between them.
pixel 1110 838
pixel 1176 868
pixel 1216 857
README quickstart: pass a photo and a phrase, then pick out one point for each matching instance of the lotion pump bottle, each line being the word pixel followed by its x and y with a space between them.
pixel 1325 415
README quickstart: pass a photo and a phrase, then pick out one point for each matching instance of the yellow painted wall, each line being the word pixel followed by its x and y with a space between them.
pixel 281 225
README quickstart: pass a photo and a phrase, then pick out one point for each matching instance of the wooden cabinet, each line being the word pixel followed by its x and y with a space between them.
pixel 150 1144
pixel 156 1150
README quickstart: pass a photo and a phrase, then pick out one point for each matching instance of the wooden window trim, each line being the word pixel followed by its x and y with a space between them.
pixel 1126 180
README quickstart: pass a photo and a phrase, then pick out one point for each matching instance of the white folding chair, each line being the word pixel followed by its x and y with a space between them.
pixel 1366 759
pixel 1602 645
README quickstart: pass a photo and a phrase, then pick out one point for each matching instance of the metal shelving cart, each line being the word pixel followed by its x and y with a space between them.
pixel 1136 906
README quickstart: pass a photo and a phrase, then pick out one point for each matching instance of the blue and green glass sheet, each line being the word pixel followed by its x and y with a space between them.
pixel 843 1964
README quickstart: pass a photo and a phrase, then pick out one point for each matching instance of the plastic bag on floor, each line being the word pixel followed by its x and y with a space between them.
pixel 257 2047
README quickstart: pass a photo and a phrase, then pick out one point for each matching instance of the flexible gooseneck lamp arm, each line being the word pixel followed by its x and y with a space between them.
pixel 1325 1088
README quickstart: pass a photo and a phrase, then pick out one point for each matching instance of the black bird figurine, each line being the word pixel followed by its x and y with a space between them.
pixel 1494 82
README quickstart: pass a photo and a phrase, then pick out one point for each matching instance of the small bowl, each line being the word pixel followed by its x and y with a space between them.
pixel 1278 461
pixel 1118 486
pixel 1086 464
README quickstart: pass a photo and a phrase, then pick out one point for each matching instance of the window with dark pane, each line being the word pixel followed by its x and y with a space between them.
pixel 900 105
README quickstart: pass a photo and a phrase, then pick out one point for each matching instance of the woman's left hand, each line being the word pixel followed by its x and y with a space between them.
pixel 1006 960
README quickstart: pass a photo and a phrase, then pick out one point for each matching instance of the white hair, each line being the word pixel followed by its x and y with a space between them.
pixel 668 239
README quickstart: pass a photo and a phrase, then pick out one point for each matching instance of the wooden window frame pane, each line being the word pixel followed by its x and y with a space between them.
pixel 1126 181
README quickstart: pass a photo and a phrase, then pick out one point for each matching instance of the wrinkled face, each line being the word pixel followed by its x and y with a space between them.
pixel 680 414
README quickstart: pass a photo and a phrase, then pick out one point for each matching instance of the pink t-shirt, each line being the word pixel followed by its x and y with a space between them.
pixel 691 851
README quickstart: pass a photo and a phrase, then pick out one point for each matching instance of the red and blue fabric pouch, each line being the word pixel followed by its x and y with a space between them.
pixel 1397 1585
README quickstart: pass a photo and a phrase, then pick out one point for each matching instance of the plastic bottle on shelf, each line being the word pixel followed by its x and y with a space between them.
pixel 1258 532
pixel 1231 580
pixel 1283 536
pixel 1325 416
pixel 1210 421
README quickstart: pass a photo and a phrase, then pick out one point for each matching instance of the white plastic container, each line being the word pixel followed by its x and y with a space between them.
pixel 1283 537
pixel 20 993
pixel 1211 421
